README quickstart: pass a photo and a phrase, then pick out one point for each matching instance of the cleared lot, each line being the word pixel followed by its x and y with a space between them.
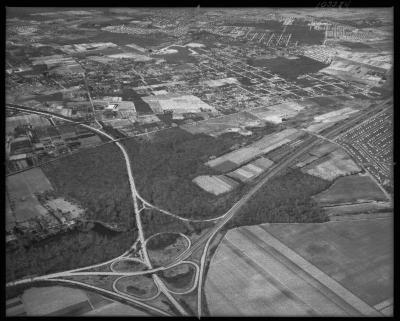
pixel 358 254
pixel 21 188
pixel 351 189
pixel 267 270
pixel 65 301
pixel 337 164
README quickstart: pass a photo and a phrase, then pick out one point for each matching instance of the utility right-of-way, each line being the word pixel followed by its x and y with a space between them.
pixel 304 147
pixel 207 237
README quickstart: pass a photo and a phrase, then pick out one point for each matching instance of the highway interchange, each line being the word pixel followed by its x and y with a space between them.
pixel 204 240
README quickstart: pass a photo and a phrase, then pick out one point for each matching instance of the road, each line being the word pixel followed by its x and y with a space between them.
pixel 302 148
pixel 305 146
pixel 134 195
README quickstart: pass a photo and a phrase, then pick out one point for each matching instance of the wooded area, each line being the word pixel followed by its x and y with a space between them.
pixel 98 180
pixel 63 252
pixel 284 199
pixel 164 169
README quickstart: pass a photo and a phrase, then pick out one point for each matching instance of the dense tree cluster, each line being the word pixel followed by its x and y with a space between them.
pixel 284 199
pixel 63 252
pixel 164 169
pixel 156 222
pixel 98 180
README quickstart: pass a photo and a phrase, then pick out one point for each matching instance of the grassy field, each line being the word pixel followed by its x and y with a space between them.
pixel 335 269
pixel 128 266
pixel 362 208
pixel 358 254
pixel 350 189
pixel 179 278
pixel 21 188
pixel 217 126
pixel 247 277
pixel 161 241
pixel 163 255
pixel 182 56
pixel 141 286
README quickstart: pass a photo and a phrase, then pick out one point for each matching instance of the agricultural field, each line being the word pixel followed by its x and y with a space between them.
pixel 21 120
pixel 217 126
pixel 36 301
pixel 331 166
pixel 358 255
pixel 256 149
pixel 336 269
pixel 21 190
pixel 215 184
pixel 276 113
pixel 335 212
pixel 252 170
pixel 351 189
pixel 65 301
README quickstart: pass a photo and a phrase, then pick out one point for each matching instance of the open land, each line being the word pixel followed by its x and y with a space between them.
pixel 349 189
pixel 292 265
pixel 198 126
pixel 21 190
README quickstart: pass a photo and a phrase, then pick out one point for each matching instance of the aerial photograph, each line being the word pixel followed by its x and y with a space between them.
pixel 199 161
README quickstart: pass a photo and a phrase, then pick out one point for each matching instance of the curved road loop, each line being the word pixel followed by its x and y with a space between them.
pixel 206 238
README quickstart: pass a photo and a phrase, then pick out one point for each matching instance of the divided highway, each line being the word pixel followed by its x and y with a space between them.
pixel 134 193
pixel 306 145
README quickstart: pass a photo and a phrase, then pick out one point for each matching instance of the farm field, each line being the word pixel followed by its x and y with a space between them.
pixel 21 188
pixel 215 184
pixel 369 207
pixel 358 254
pixel 220 125
pixel 350 189
pixel 259 147
pixel 338 163
pixel 336 269
pixel 37 299
pixel 66 301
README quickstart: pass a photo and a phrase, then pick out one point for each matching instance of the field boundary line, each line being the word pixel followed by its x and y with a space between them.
pixel 295 269
pixel 273 281
pixel 321 276
pixel 384 304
